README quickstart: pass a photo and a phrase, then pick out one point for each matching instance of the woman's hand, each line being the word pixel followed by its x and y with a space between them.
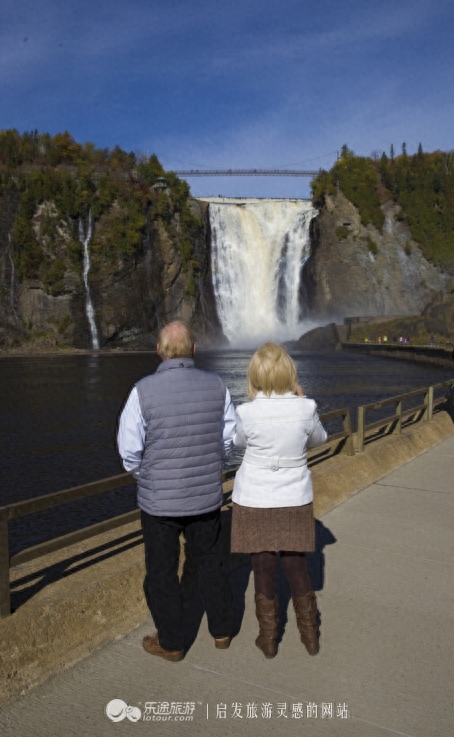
pixel 300 391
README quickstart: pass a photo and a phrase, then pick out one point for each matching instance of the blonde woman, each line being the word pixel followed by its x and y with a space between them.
pixel 272 495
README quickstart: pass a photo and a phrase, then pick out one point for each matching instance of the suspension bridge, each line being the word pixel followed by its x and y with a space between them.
pixel 247 172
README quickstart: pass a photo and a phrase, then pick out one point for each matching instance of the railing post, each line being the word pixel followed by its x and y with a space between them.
pixel 360 430
pixel 398 428
pixel 5 598
pixel 346 421
pixel 429 402
pixel 449 406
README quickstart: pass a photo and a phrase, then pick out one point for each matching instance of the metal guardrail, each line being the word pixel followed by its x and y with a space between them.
pixel 47 501
pixel 445 350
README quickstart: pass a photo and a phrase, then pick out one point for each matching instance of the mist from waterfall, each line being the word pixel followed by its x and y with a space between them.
pixel 258 250
pixel 85 238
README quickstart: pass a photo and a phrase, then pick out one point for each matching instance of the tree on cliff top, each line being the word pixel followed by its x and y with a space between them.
pixel 150 170
pixel 357 178
pixel 422 184
pixel 42 149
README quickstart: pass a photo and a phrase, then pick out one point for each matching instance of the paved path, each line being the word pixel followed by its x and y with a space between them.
pixel 384 574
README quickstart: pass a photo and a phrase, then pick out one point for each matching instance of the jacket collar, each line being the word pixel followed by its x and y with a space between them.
pixel 172 363
pixel 287 395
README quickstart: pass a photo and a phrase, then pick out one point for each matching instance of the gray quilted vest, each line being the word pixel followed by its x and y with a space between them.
pixel 183 407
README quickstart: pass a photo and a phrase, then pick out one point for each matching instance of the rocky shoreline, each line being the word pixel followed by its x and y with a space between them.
pixel 50 348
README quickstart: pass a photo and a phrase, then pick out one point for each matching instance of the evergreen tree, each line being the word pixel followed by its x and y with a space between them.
pixel 346 152
pixel 74 179
pixel 423 185
pixel 391 152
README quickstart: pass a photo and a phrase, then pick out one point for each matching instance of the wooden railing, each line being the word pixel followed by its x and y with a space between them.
pixel 56 499
pixel 393 423
pixel 343 442
pixel 346 435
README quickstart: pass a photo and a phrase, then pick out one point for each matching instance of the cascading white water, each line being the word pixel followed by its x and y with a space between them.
pixel 258 250
pixel 13 274
pixel 85 239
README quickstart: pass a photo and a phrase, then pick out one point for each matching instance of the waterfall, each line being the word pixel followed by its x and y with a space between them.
pixel 13 274
pixel 258 250
pixel 85 238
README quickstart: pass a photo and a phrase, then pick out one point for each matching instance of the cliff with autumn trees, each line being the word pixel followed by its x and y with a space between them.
pixel 382 243
pixel 149 259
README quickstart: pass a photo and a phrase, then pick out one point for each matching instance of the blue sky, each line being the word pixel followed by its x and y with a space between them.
pixel 233 84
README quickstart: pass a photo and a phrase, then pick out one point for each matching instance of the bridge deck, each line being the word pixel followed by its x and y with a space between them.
pixel 384 581
pixel 247 172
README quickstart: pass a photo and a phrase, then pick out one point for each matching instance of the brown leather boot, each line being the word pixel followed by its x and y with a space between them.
pixel 266 613
pixel 306 620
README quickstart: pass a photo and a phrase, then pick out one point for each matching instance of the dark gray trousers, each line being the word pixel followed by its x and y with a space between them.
pixel 161 585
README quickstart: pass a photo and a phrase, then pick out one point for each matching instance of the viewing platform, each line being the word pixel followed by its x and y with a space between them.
pixel 382 572
pixel 437 355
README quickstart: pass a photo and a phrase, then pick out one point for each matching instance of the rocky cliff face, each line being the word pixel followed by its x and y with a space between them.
pixel 352 270
pixel 132 297
pixel 356 270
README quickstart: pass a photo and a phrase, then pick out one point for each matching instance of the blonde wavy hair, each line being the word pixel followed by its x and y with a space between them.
pixel 176 340
pixel 271 370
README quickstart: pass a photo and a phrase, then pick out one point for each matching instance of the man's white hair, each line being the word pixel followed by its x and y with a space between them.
pixel 176 340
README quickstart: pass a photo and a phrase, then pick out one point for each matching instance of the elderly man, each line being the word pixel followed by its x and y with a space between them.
pixel 175 429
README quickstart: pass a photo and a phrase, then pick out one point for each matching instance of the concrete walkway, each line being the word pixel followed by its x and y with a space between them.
pixel 384 575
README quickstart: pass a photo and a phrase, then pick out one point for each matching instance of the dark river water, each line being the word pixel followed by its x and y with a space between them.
pixel 59 416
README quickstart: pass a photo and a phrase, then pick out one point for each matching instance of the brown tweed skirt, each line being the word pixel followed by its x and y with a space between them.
pixel 255 529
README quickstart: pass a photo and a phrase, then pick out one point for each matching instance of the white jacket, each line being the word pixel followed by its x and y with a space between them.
pixel 276 432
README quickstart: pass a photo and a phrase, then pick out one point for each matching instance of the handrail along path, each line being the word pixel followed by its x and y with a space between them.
pixel 344 441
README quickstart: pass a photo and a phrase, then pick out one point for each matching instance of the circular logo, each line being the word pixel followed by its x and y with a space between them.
pixel 116 710
pixel 133 713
